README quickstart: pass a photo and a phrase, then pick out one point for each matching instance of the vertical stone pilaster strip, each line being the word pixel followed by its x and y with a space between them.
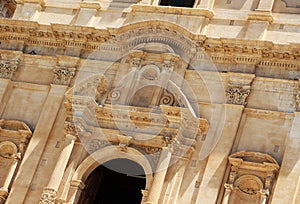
pixel 36 147
pixel 265 5
pixel 286 187
pixel 4 87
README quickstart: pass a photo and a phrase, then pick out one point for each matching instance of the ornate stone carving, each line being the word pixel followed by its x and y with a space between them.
pixel 168 99
pixel 8 68
pixel 249 184
pixel 237 95
pixel 48 196
pixel 124 142
pixel 63 75
pixel 97 144
pixel 252 175
pixel 114 95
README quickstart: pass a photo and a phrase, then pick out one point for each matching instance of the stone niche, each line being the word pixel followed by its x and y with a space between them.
pixel 251 179
pixel 14 138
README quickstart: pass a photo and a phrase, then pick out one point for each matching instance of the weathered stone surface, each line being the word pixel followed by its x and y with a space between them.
pixel 203 95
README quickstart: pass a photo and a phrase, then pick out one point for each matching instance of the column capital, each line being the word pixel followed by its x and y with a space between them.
pixel 71 137
pixel 48 196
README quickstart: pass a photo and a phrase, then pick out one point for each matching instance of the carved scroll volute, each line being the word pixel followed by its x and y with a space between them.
pixel 8 68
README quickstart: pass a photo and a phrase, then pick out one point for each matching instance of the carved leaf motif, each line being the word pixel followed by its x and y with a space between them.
pixel 7 69
pixel 63 75
pixel 237 95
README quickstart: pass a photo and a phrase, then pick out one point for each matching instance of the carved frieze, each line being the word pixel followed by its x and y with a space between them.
pixel 8 68
pixel 63 75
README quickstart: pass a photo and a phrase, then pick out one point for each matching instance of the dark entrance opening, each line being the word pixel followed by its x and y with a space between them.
pixel 116 181
pixel 178 3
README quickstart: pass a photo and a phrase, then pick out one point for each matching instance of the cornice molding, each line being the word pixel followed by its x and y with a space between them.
pixel 223 50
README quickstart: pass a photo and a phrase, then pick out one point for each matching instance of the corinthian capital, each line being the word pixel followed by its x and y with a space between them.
pixel 8 68
pixel 63 75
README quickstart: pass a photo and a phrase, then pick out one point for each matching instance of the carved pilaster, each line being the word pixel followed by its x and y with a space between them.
pixel 8 68
pixel 63 75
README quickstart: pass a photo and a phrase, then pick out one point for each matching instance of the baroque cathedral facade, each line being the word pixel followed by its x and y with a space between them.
pixel 150 101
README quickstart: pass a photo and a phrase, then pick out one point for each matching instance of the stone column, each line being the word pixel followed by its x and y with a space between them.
pixel 59 169
pixel 177 182
pixel 76 188
pixel 159 177
pixel 4 189
pixel 228 189
pixel 263 196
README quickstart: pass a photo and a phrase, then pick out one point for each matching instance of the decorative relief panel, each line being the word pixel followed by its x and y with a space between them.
pixel 251 178
pixel 14 138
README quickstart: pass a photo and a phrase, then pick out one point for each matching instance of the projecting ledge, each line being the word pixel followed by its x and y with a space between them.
pixel 172 10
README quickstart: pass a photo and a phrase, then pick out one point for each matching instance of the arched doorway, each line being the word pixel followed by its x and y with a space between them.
pixel 122 178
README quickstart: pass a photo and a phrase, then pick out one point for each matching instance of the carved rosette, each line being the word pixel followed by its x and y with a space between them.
pixel 8 68
pixel 48 196
pixel 63 75
pixel 237 95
